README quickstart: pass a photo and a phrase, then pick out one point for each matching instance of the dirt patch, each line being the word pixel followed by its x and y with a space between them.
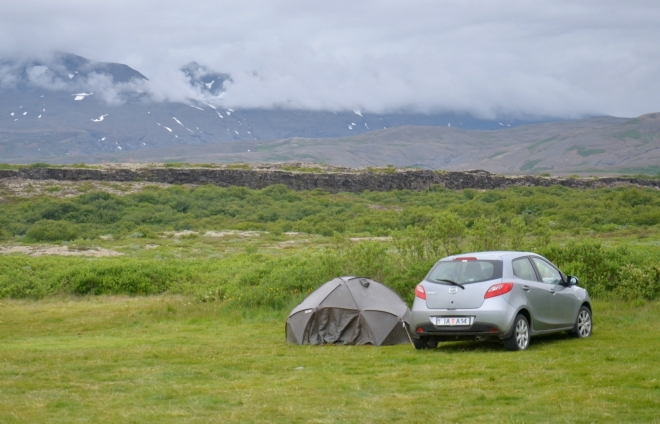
pixel 370 238
pixel 232 233
pixel 288 243
pixel 223 233
pixel 180 233
pixel 57 250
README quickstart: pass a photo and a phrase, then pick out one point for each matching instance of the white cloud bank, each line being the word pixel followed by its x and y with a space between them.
pixel 546 57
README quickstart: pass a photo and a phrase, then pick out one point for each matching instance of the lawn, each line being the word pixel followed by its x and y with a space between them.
pixel 170 358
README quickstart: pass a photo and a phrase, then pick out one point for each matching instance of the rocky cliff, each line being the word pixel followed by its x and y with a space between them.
pixel 330 181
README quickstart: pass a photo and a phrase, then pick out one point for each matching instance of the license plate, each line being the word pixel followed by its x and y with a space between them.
pixel 452 321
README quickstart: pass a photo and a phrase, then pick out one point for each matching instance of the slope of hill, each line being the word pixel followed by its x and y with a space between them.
pixel 596 145
pixel 65 105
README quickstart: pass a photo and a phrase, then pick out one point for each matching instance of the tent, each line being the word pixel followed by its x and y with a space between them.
pixel 350 310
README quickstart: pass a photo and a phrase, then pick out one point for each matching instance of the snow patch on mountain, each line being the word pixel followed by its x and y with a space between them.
pixel 81 96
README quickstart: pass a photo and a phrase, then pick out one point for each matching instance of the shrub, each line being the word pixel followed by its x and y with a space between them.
pixel 638 283
pixel 50 230
pixel 597 267
pixel 130 277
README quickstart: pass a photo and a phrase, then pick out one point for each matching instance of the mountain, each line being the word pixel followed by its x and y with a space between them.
pixel 595 146
pixel 207 81
pixel 63 106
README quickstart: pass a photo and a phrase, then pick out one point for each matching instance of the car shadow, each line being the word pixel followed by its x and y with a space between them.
pixel 495 346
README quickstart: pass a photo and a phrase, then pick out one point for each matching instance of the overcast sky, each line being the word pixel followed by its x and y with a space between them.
pixel 500 57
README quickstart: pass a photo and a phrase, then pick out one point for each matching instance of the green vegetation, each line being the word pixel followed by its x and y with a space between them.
pixel 576 229
pixel 584 152
pixel 166 359
pixel 496 154
pixel 317 212
pixel 530 164
pixel 637 135
pixel 238 166
pixel 538 143
pixel 213 272
pixel 8 166
pixel 634 134
pixel 298 168
pixel 389 169
pixel 188 165
pixel 648 172
pixel 47 165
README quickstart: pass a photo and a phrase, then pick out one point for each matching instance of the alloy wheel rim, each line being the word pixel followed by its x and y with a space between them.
pixel 584 324
pixel 522 336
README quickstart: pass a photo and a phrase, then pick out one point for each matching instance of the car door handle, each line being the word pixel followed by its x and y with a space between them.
pixel 552 291
pixel 525 288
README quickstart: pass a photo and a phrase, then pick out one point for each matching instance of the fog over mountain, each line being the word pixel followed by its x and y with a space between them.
pixel 482 57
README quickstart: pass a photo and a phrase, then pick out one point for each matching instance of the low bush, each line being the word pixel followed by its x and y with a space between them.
pixel 51 230
pixel 637 282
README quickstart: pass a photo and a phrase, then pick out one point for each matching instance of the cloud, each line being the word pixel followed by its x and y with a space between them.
pixel 486 57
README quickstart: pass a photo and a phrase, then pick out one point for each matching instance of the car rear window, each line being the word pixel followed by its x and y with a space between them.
pixel 465 271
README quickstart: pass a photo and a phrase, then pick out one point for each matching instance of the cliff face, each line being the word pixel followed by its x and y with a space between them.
pixel 332 182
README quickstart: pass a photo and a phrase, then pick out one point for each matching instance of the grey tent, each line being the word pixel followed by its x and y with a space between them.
pixel 350 310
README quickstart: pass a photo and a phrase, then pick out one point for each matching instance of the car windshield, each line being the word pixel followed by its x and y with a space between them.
pixel 466 271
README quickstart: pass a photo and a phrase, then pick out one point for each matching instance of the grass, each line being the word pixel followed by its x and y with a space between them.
pixel 47 165
pixel 168 358
pixel 310 169
pixel 172 358
pixel 584 152
pixel 530 164
pixel 496 154
pixel 538 143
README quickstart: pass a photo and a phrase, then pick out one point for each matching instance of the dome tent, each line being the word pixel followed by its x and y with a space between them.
pixel 350 310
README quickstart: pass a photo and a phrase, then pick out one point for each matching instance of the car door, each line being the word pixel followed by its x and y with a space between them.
pixel 535 293
pixel 562 300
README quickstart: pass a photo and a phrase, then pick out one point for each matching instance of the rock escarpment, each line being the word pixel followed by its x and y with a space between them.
pixel 331 181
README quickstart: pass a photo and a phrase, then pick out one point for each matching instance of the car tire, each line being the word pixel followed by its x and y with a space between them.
pixel 583 324
pixel 519 338
pixel 424 343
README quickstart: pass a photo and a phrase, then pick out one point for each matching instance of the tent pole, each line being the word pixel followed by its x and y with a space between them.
pixel 407 333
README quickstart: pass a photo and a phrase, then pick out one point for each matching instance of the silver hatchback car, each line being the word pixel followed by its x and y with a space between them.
pixel 509 296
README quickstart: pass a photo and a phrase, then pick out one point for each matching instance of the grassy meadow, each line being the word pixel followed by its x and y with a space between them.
pixel 129 303
pixel 167 358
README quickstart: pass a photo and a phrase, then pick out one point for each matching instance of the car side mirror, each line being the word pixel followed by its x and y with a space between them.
pixel 572 281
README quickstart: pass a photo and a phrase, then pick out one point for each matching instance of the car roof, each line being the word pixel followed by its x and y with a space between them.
pixel 492 255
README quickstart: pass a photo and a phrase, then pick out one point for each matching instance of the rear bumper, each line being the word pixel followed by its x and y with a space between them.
pixel 494 318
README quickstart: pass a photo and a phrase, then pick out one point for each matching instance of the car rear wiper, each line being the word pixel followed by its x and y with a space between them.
pixel 452 282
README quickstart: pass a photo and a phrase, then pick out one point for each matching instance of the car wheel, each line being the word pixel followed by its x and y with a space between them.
pixel 424 343
pixel 519 339
pixel 583 324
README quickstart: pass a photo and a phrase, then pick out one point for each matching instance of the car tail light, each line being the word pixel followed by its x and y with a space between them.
pixel 420 292
pixel 498 289
pixel 465 259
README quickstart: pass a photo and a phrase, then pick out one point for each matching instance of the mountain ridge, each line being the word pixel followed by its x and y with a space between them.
pixel 71 109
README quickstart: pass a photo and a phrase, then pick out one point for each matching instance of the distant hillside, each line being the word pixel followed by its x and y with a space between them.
pixel 596 145
pixel 63 106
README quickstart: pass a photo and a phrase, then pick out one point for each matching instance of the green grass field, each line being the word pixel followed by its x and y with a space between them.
pixel 168 304
pixel 169 358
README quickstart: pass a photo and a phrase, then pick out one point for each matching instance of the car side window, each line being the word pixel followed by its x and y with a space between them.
pixel 549 273
pixel 523 269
